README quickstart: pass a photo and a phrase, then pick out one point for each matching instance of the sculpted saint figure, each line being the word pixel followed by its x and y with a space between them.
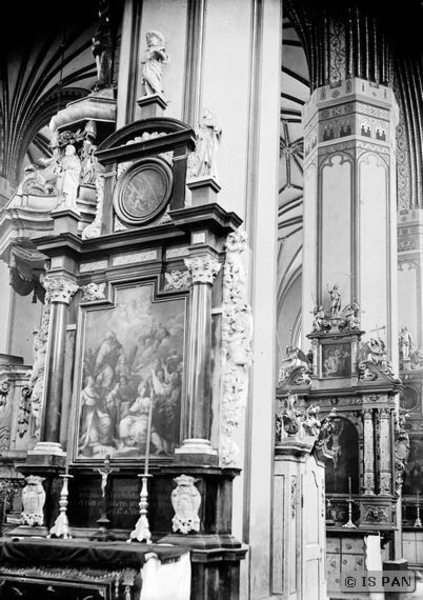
pixel 102 48
pixel 335 300
pixel 208 140
pixel 406 342
pixel 68 179
pixel 152 63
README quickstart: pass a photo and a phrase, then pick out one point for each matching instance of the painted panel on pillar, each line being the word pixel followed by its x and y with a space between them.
pixel 131 375
pixel 373 241
pixel 336 225
pixel 309 248
pixel 408 294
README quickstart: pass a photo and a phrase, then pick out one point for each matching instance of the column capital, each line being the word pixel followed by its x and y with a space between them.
pixel 203 269
pixel 58 288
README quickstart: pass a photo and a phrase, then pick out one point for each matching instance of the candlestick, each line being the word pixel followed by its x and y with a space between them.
pixel 61 525
pixel 142 528
pixel 148 438
pixel 417 522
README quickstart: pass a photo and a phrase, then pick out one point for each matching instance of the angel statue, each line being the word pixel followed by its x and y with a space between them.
pixel 152 63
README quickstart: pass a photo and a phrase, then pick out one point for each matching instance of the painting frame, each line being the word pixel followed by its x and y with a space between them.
pixel 336 360
pixel 130 385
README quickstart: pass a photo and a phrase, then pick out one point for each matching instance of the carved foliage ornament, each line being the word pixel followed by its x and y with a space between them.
pixel 177 280
pixel 58 288
pixel 93 291
pixel 203 269
pixel 186 501
pixel 36 377
pixel 237 331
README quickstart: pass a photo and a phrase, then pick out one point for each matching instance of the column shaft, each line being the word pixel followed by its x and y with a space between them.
pixel 50 426
pixel 198 391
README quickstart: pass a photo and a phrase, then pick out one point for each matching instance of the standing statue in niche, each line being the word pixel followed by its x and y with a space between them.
pixel 68 179
pixel 208 141
pixel 152 63
pixel 102 48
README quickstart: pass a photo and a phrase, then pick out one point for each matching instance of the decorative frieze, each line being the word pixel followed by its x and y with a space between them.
pixel 186 501
pixel 89 267
pixel 130 258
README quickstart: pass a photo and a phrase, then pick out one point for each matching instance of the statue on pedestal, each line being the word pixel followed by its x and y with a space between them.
pixel 335 300
pixel 102 48
pixel 208 141
pixel 405 344
pixel 152 63
pixel 68 179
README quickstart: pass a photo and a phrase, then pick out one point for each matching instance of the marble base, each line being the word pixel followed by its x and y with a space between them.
pixel 196 451
pixel 152 106
pixel 47 449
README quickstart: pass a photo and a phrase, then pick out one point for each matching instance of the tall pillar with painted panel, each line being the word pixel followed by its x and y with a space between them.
pixel 349 204
pixel 349 294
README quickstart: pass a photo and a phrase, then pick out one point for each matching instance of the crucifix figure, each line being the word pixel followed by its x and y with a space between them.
pixel 102 533
pixel 105 472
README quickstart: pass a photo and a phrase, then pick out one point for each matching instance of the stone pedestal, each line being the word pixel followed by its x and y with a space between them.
pixel 65 221
pixel 204 190
pixel 152 106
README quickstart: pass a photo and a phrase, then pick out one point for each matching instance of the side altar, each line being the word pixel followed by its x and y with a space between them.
pixel 141 361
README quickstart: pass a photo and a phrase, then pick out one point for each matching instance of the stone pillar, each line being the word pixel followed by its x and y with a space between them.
pixel 350 204
pixel 299 536
pixel 203 269
pixel 59 292
pixel 369 453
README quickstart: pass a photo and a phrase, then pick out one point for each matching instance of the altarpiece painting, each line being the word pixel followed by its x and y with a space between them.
pixel 131 375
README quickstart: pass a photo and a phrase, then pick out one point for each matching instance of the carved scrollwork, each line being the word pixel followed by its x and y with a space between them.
pixel 5 414
pixel 24 411
pixel 373 362
pixel 93 230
